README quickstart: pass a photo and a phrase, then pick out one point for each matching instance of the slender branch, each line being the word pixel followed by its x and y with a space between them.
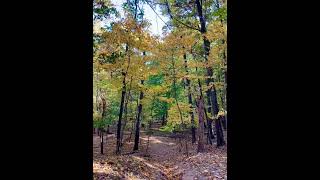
pixel 156 13
pixel 173 18
pixel 194 28
pixel 135 12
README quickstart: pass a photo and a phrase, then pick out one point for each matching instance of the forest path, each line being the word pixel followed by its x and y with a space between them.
pixel 166 159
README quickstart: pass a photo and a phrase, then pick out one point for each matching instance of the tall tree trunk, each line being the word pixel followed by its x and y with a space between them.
pixel 193 128
pixel 175 90
pixel 123 94
pixel 220 140
pixel 222 98
pixel 97 92
pixel 225 81
pixel 224 122
pixel 139 115
pixel 137 134
pixel 126 112
pixel 209 131
pixel 101 141
pixel 136 8
pixel 163 120
pixel 210 134
pixel 211 93
pixel 97 102
pixel 201 125
pixel 104 106
pixel 124 124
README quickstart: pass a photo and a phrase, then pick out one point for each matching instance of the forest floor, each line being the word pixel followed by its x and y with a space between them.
pixel 166 159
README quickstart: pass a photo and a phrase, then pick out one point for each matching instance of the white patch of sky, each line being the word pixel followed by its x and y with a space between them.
pixel 149 14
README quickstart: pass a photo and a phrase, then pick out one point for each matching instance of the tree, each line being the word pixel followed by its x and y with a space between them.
pixel 183 14
pixel 201 125
pixel 140 78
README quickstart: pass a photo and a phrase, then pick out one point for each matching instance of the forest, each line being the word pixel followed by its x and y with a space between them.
pixel 160 101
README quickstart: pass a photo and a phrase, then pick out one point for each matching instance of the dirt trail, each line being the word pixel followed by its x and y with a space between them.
pixel 163 160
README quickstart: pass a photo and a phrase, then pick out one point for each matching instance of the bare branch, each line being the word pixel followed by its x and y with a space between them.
pixel 157 13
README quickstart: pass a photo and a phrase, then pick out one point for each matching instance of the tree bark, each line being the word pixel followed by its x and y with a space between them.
pixel 123 94
pixel 137 134
pixel 211 93
pixel 124 125
pixel 101 141
pixel 201 125
pixel 126 112
pixel 224 123
pixel 220 138
pixel 193 128
pixel 210 133
pixel 120 115
pixel 104 105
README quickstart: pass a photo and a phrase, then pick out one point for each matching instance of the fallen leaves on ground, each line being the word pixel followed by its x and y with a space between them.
pixel 163 161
